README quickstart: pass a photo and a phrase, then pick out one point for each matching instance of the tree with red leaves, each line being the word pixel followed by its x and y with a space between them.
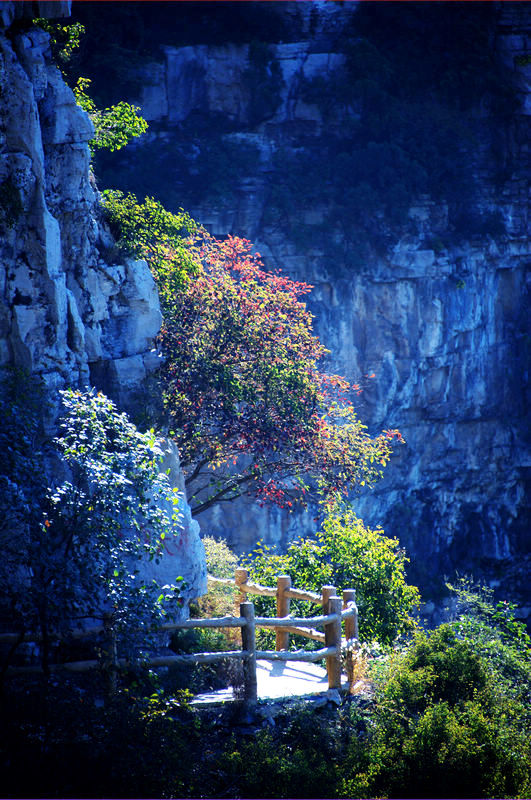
pixel 250 411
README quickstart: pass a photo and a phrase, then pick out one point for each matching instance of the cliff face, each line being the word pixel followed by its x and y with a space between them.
pixel 430 292
pixel 68 312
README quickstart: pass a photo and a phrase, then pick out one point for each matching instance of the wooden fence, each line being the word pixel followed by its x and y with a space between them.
pixel 335 611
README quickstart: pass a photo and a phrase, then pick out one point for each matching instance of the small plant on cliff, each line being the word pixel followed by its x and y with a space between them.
pixel 114 126
pixel 64 39
pixel 73 551
pixel 146 230
pixel 251 412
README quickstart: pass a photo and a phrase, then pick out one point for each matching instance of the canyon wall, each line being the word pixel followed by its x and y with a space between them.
pixel 70 313
pixel 430 293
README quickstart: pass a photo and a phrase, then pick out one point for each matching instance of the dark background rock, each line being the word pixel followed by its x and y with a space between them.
pixel 380 152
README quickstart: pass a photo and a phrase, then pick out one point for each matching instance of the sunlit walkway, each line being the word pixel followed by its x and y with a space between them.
pixel 277 679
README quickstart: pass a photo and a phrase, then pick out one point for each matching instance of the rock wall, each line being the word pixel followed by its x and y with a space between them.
pixel 442 320
pixel 68 312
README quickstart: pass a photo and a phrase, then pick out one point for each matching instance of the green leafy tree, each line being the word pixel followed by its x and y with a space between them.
pixel 348 555
pixel 72 551
pixel 251 412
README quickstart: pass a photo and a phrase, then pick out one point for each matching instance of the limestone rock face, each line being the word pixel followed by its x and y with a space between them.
pixel 23 9
pixel 68 312
pixel 443 324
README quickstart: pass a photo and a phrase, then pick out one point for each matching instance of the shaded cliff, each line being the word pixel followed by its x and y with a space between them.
pixel 381 153
pixel 70 313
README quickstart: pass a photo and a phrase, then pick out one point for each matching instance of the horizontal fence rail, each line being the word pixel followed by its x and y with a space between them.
pixel 336 612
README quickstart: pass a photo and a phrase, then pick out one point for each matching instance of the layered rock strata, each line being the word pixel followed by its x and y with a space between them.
pixel 442 322
pixel 72 311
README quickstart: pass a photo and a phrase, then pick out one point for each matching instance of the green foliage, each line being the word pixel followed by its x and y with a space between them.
pixel 437 668
pixel 72 550
pixel 498 637
pixel 220 560
pixel 302 759
pixel 64 39
pixel 348 555
pixel 452 714
pixel 114 126
pixel 148 231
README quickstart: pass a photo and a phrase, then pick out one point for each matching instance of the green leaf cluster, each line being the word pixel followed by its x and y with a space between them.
pixel 452 712
pixel 73 545
pixel 147 230
pixel 348 555
pixel 64 39
pixel 114 126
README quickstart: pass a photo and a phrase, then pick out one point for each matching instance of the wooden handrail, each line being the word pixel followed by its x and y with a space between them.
pixel 211 622
pixel 330 620
pixel 308 633
pixel 297 655
pixel 266 591
pixel 303 622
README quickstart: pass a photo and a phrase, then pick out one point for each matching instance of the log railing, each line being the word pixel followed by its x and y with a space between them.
pixel 335 612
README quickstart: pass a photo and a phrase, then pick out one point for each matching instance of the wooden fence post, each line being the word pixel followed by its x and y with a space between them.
pixel 333 639
pixel 326 593
pixel 249 643
pixel 241 576
pixel 283 603
pixel 351 632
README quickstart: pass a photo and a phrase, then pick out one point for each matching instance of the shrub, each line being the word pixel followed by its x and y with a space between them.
pixel 346 554
pixel 448 722
pixel 219 600
pixel 72 549
pixel 146 230
pixel 115 126
pixel 300 757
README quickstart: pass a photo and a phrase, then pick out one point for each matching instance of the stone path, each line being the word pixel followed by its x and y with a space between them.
pixel 277 679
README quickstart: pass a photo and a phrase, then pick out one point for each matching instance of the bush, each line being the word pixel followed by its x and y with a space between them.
pixel 300 757
pixel 219 600
pixel 72 549
pixel 449 721
pixel 146 230
pixel 346 554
